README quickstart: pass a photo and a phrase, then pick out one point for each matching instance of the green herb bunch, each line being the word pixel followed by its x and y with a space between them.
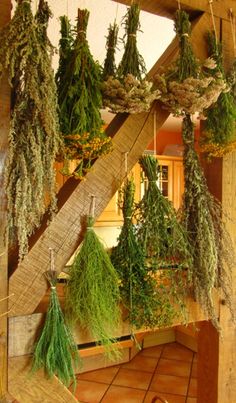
pixel 109 68
pixel 210 243
pixel 126 90
pixel 92 297
pixel 34 138
pixel 80 100
pixel 55 350
pixel 188 86
pixel 219 131
pixel 144 296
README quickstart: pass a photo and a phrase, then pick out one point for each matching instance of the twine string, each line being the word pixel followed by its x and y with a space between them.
pixel 155 132
pixel 179 6
pixel 92 206
pixel 232 25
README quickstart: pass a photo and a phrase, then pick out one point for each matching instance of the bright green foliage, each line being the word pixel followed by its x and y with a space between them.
pixel 92 297
pixel 56 351
pixel 34 137
pixel 65 50
pixel 159 230
pixel 132 62
pixel 79 88
pixel 109 68
pixel 211 246
pixel 219 128
pixel 187 64
pixel 144 296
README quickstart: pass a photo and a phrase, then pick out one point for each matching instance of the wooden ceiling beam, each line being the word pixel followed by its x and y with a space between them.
pixel 167 8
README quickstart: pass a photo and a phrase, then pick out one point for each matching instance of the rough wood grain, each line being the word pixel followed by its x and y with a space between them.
pixel 36 388
pixel 5 8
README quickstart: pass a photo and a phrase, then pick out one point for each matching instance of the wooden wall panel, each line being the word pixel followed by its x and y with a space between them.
pixel 5 7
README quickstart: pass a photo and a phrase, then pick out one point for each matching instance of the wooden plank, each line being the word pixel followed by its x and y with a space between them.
pixel 167 8
pixel 36 388
pixel 5 8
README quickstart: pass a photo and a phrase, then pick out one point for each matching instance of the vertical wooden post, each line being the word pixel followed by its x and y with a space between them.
pixel 5 14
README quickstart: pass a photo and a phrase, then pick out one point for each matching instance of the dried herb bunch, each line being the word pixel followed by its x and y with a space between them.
pixel 109 68
pixel 188 86
pixel 56 351
pixel 144 296
pixel 127 90
pixel 159 229
pixel 80 100
pixel 219 131
pixel 92 297
pixel 210 243
pixel 34 138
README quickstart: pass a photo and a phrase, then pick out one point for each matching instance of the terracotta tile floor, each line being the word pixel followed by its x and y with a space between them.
pixel 167 371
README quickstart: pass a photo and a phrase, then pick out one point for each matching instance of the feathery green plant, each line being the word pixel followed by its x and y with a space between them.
pixel 92 296
pixel 132 62
pixel 159 230
pixel 34 138
pixel 145 297
pixel 109 68
pixel 56 351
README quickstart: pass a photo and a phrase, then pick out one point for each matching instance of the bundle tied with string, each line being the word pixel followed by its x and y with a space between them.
pixel 126 90
pixel 55 351
pixel 218 136
pixel 146 303
pixel 187 85
pixel 92 295
pixel 80 100
pixel 34 139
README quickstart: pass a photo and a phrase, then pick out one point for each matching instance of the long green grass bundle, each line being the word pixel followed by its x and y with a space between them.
pixel 109 68
pixel 80 99
pixel 219 131
pixel 145 298
pixel 93 297
pixel 34 138
pixel 159 229
pixel 211 246
pixel 128 90
pixel 55 351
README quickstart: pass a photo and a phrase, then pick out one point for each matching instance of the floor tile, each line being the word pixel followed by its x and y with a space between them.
pixel 119 394
pixel 104 375
pixel 169 383
pixel 167 396
pixel 194 370
pixel 192 391
pixel 90 392
pixel 153 352
pixel 173 367
pixel 191 400
pixel 143 363
pixel 175 351
pixel 133 378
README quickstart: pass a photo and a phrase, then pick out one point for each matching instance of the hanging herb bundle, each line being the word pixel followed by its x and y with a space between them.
pixel 80 100
pixel 210 243
pixel 92 297
pixel 128 91
pixel 34 138
pixel 146 299
pixel 159 230
pixel 55 351
pixel 188 86
pixel 109 69
pixel 219 132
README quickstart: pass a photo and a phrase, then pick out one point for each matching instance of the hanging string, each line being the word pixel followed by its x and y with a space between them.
pixel 92 206
pixel 67 8
pixel 232 25
pixel 126 163
pixel 117 8
pixel 155 133
pixel 179 6
pixel 213 20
